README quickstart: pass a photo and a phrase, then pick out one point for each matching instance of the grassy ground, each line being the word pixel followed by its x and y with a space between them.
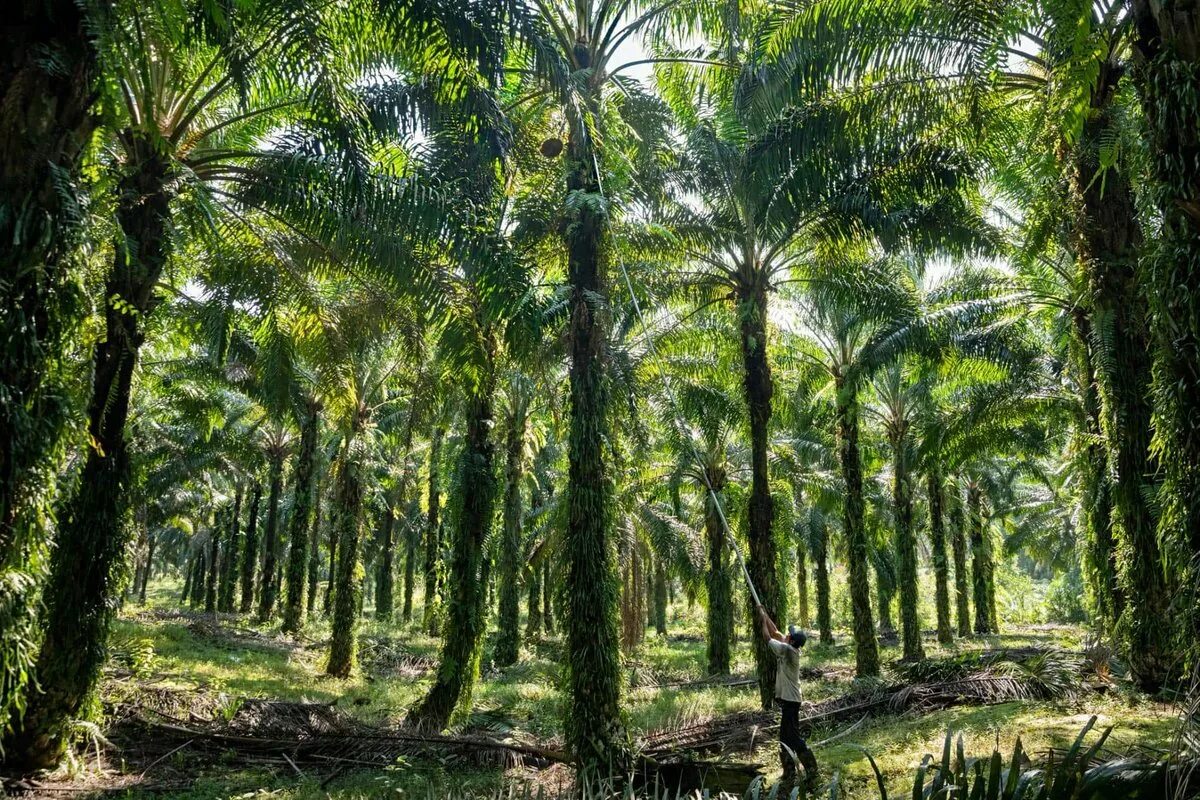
pixel 172 653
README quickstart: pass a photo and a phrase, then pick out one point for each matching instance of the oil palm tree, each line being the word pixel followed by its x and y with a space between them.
pixel 190 159
pixel 47 84
pixel 1063 60
pixel 1167 48
pixel 897 390
pixel 568 53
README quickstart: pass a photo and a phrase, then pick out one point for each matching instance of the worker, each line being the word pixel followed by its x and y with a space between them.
pixel 792 747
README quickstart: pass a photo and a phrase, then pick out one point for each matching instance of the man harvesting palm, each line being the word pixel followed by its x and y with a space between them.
pixel 792 747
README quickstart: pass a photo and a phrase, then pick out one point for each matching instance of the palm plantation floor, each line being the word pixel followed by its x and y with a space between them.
pixel 159 651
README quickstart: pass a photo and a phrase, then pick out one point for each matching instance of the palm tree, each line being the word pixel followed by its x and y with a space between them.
pixel 1167 47
pixel 518 393
pixel 895 388
pixel 433 533
pixel 367 337
pixel 1063 60
pixel 47 87
pixel 301 519
pixel 568 54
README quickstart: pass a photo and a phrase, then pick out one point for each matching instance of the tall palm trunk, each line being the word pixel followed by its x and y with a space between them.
pixel 633 613
pixel 906 546
pixel 93 531
pixel 717 580
pixel 410 567
pixel 47 69
pixel 1108 241
pixel 885 593
pixel 1167 46
pixel 250 553
pixel 149 568
pixel 824 612
pixel 301 520
pixel 459 665
pixel 347 522
pixel 199 571
pixel 866 649
pixel 229 564
pixel 314 550
pixel 433 535
pixel 533 617
pixel 508 641
pixel 659 618
pixel 980 558
pixel 759 388
pixel 385 581
pixel 802 584
pixel 210 577
pixel 270 586
pixel 958 544
pixel 327 602
pixel 549 600
pixel 1096 502
pixel 937 546
pixel 594 720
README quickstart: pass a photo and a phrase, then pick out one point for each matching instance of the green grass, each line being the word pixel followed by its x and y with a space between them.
pixel 527 697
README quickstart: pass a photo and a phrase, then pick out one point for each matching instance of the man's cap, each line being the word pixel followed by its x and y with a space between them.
pixel 796 637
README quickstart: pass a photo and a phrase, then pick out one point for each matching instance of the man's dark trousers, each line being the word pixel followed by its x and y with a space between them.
pixel 789 737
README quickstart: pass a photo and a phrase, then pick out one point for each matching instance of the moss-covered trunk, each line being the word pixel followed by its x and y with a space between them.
pixel 633 612
pixel 473 508
pixel 229 565
pixel 301 520
pixel 958 544
pixel 1100 557
pixel 937 547
pixel 269 584
pixel 148 570
pixel 821 569
pixel 47 69
pixel 594 729
pixel 327 602
pixel 314 550
pixel 214 560
pixel 802 584
pixel 758 389
pixel 508 639
pixel 885 593
pixel 199 570
pixel 87 565
pixel 548 599
pixel 980 558
pixel 1167 75
pixel 1108 243
pixel 858 552
pixel 906 544
pixel 533 617
pixel 250 552
pixel 347 523
pixel 433 533
pixel 717 580
pixel 410 566
pixel 385 580
pixel 189 569
pixel 659 617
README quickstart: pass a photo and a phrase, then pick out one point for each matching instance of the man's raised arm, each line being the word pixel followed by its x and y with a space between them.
pixel 769 630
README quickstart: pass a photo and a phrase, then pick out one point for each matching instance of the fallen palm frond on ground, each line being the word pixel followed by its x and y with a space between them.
pixel 641 678
pixel 318 736
pixel 739 731
pixel 389 658
pixel 295 736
